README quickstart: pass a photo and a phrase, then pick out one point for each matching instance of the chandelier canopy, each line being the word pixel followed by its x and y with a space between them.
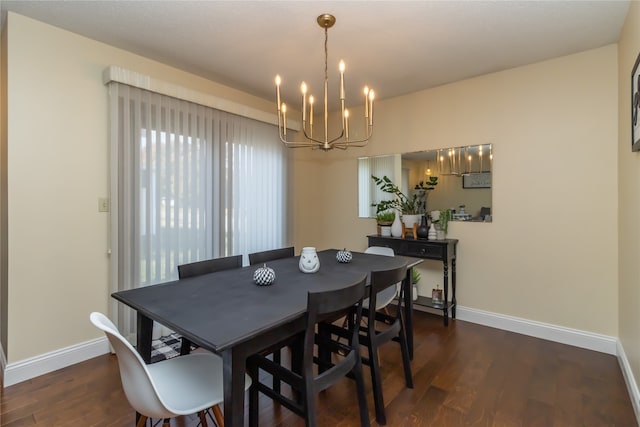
pixel 342 140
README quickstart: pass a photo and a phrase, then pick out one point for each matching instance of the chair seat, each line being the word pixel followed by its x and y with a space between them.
pixel 185 383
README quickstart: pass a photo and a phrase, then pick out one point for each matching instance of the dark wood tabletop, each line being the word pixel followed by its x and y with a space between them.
pixel 225 312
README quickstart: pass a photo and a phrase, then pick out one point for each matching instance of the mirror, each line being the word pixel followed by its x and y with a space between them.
pixel 464 180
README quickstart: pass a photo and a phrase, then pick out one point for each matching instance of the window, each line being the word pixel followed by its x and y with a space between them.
pixel 188 183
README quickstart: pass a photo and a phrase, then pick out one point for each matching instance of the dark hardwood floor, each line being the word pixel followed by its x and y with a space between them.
pixel 464 375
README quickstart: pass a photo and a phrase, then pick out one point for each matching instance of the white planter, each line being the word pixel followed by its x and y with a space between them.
pixel 409 220
pixel 385 230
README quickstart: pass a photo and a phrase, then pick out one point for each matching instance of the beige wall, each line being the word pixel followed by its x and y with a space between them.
pixel 550 255
pixel 58 157
pixel 629 196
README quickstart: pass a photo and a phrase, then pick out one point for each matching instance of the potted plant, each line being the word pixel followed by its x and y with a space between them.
pixel 442 224
pixel 407 206
pixel 385 219
pixel 415 278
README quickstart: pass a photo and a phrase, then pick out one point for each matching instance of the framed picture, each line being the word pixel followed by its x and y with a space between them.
pixel 476 180
pixel 635 106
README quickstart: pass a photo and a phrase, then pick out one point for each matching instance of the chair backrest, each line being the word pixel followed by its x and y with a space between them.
pixel 136 382
pixel 387 295
pixel 209 266
pixel 382 281
pixel 264 256
pixel 330 305
pixel 379 250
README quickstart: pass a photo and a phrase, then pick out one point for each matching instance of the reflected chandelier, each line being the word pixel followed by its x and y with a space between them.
pixel 341 141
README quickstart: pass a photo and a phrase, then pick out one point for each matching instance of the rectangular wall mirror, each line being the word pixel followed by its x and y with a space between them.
pixel 464 180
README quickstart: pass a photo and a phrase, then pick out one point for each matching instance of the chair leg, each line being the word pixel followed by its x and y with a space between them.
pixel 253 371
pixel 185 347
pixel 376 382
pixel 203 418
pixel 277 358
pixel 310 414
pixel 166 422
pixel 406 361
pixel 217 413
pixel 142 421
pixel 362 397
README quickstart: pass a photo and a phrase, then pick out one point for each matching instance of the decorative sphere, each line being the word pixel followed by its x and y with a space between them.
pixel 344 256
pixel 264 276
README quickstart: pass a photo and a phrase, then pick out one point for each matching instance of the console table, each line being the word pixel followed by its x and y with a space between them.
pixel 443 250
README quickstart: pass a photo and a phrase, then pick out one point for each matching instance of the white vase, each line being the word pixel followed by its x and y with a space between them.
pixel 432 232
pixel 309 262
pixel 396 227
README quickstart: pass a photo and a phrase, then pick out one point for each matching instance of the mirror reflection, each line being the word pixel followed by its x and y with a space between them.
pixel 464 180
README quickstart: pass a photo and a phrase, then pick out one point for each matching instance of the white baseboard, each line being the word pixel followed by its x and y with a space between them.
pixel 23 370
pixel 547 331
pixel 629 379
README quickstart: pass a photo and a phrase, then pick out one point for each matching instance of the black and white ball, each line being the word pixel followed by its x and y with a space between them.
pixel 344 256
pixel 264 276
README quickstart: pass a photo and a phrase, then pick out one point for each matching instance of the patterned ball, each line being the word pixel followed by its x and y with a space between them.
pixel 264 276
pixel 344 256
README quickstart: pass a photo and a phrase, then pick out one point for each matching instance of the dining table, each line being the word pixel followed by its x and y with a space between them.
pixel 227 313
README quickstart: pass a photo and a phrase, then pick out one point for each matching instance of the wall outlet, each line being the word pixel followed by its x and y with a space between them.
pixel 103 204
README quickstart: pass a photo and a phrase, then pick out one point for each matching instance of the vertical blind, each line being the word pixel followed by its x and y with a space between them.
pixel 188 183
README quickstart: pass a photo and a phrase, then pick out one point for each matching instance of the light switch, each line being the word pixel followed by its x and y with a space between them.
pixel 103 204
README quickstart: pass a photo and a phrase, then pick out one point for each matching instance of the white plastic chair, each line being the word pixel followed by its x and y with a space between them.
pixel 179 386
pixel 386 296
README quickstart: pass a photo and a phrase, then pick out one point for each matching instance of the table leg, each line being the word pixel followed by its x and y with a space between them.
pixel 143 339
pixel 234 363
pixel 445 285
pixel 408 310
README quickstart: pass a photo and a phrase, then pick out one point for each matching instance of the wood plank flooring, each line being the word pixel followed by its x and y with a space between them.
pixel 464 375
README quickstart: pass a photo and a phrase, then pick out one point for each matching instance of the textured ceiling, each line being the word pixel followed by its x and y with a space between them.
pixel 396 47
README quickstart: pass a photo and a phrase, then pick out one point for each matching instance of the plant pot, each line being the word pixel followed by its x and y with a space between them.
pixel 410 220
pixel 385 230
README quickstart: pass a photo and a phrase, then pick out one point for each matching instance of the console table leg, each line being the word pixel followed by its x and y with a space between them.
pixel 445 286
pixel 454 302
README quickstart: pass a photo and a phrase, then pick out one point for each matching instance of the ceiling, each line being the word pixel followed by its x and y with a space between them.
pixel 396 47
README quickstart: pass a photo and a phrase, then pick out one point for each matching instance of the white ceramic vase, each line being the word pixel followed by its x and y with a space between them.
pixel 309 261
pixel 432 232
pixel 396 227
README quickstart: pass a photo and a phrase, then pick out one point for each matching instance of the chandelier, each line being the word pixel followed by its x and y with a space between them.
pixel 342 140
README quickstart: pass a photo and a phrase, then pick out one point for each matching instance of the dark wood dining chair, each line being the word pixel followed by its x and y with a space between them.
pixel 323 306
pixel 270 255
pixel 199 268
pixel 263 257
pixel 372 337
